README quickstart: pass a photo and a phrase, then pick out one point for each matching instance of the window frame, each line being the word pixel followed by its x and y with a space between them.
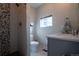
pixel 41 19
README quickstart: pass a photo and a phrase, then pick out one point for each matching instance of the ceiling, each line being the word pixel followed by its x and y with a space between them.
pixel 36 5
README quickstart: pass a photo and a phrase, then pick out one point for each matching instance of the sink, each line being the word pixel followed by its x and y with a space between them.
pixel 65 37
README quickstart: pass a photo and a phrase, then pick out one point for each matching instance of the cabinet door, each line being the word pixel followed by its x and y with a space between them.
pixel 57 47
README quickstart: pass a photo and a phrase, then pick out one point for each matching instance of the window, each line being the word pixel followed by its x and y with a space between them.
pixel 46 21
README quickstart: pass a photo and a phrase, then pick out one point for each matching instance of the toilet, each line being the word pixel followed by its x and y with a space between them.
pixel 33 44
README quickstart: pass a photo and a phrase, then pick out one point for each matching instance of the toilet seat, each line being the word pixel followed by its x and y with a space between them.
pixel 34 42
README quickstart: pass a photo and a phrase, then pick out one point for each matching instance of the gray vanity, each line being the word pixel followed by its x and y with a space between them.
pixel 63 45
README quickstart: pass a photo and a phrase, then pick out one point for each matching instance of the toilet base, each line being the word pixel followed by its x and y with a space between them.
pixel 34 46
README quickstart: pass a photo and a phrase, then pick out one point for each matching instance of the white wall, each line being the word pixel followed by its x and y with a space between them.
pixel 28 28
pixel 59 13
pixel 31 16
pixel 13 28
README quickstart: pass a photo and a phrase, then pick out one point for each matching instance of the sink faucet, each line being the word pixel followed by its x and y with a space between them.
pixel 75 32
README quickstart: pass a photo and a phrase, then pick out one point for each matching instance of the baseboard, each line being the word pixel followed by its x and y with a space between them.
pixel 16 53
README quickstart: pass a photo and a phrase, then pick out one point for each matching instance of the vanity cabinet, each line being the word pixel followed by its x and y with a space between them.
pixel 58 47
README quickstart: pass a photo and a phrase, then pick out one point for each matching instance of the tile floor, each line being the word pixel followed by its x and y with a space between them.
pixel 39 52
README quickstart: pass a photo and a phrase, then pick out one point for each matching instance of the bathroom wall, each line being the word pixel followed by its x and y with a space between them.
pixel 13 28
pixel 4 29
pixel 31 16
pixel 18 26
pixel 28 28
pixel 78 15
pixel 59 12
pixel 8 28
pixel 22 37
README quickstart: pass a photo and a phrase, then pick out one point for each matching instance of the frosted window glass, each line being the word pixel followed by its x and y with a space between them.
pixel 46 22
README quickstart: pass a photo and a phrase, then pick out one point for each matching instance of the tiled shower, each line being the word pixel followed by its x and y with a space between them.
pixel 4 29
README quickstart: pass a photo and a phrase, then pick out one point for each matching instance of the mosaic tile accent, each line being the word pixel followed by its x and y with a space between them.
pixel 4 29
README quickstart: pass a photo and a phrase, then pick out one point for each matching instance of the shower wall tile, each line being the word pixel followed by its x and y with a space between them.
pixel 4 28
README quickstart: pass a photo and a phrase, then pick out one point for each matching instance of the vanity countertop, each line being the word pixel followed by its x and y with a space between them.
pixel 68 37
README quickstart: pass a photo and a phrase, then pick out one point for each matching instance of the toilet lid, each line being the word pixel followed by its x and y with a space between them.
pixel 34 42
